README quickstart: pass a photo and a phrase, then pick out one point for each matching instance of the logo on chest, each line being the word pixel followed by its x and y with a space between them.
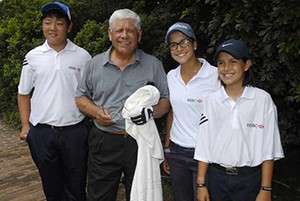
pixel 194 100
pixel 252 125
pixel 75 68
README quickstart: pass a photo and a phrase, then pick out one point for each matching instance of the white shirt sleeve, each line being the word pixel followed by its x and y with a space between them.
pixel 273 148
pixel 202 145
pixel 26 80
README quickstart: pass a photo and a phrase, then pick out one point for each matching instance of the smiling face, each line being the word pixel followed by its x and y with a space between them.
pixel 231 70
pixel 124 36
pixel 55 31
pixel 182 54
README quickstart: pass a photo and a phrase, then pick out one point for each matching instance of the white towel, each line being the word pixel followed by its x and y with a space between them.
pixel 146 185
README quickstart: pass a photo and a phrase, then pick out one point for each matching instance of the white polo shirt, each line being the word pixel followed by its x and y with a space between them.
pixel 241 133
pixel 186 101
pixel 54 77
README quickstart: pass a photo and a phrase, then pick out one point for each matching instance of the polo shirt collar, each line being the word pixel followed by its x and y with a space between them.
pixel 106 58
pixel 248 93
pixel 70 46
pixel 203 72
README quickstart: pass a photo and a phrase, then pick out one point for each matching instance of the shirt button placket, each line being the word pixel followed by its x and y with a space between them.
pixel 57 61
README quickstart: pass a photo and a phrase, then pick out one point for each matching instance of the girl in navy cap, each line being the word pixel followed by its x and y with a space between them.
pixel 189 84
pixel 238 137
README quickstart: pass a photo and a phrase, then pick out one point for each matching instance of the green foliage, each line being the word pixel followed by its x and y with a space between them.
pixel 12 117
pixel 94 10
pixel 94 37
pixel 157 17
pixel 19 29
pixel 270 28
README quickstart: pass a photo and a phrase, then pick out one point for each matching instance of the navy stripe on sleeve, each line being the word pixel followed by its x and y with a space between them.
pixel 203 119
pixel 25 62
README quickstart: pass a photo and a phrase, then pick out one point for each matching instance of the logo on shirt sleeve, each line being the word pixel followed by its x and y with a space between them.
pixel 203 119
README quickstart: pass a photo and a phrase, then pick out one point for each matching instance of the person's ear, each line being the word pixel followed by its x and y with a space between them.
pixel 248 64
pixel 70 27
pixel 109 34
pixel 139 36
pixel 195 45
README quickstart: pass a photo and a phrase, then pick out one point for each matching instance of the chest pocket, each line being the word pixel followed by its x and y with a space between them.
pixel 135 84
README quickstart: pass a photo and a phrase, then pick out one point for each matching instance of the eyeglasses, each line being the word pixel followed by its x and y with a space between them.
pixel 183 43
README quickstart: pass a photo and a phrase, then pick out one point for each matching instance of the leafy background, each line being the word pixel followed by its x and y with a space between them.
pixel 269 27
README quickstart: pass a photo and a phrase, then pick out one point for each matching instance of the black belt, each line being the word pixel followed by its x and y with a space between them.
pixel 124 133
pixel 236 170
pixel 59 127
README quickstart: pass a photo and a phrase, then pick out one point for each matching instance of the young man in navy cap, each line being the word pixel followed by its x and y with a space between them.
pixel 51 122
pixel 238 137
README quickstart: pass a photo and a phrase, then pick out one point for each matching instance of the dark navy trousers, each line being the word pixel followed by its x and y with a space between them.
pixel 183 172
pixel 226 187
pixel 60 154
pixel 110 155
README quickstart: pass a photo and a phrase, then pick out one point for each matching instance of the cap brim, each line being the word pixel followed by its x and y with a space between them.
pixel 232 52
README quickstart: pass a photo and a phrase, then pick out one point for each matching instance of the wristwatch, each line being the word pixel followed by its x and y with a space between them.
pixel 167 149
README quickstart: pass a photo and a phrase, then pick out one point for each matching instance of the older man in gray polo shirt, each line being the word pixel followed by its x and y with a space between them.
pixel 109 79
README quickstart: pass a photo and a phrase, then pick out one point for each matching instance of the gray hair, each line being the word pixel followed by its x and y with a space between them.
pixel 125 14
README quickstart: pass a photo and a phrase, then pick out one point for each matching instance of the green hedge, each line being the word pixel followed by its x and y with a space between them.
pixel 270 28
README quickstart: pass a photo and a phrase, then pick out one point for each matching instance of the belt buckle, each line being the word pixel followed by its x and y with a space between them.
pixel 231 171
pixel 55 128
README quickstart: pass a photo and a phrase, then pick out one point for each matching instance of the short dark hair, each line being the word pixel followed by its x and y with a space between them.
pixel 56 13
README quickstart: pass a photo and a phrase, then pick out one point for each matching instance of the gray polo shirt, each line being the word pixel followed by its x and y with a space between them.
pixel 109 87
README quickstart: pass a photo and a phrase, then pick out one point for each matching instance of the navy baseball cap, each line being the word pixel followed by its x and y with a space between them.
pixel 238 49
pixel 57 5
pixel 184 28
